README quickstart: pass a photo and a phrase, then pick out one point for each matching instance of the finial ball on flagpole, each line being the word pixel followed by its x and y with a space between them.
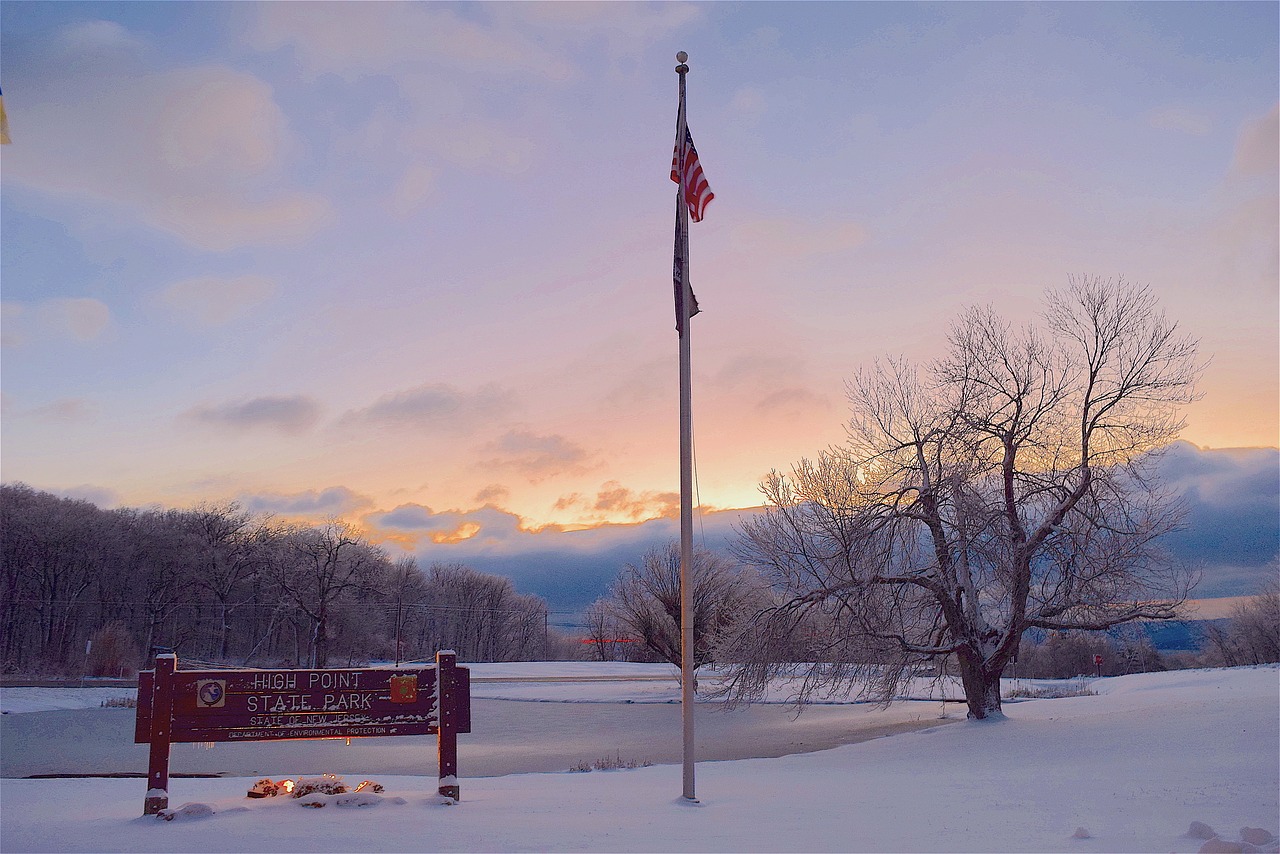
pixel 682 57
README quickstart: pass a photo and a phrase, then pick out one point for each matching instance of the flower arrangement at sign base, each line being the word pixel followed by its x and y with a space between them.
pixel 325 784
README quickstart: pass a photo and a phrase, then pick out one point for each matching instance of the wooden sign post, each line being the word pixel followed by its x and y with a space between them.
pixel 177 706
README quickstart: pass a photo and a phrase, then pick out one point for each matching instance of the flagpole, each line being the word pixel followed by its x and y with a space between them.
pixel 686 467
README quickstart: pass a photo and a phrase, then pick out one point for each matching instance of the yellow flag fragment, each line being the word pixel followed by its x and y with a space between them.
pixel 4 123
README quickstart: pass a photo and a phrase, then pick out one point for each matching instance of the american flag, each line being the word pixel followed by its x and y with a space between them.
pixel 697 192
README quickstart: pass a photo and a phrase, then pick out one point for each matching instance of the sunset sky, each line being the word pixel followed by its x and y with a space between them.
pixel 410 264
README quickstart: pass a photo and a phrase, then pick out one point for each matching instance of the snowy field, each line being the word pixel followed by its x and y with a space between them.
pixel 1127 769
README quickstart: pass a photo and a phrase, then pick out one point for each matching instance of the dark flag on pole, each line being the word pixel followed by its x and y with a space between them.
pixel 677 273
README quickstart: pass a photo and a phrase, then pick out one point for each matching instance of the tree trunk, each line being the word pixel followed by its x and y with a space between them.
pixel 981 688
pixel 224 639
pixel 320 642
pixel 151 635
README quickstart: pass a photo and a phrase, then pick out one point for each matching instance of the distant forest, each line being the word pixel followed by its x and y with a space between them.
pixel 95 591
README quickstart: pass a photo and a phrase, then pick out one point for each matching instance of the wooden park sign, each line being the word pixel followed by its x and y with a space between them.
pixel 177 706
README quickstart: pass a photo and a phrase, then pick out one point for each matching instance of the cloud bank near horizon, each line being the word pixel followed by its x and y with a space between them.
pixel 1231 534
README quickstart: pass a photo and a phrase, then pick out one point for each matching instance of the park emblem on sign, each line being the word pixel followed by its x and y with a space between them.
pixel 211 693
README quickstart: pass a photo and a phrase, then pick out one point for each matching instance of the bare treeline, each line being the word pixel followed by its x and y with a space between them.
pixel 1251 635
pixel 92 589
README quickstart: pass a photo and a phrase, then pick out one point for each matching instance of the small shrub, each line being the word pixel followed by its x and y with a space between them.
pixel 120 703
pixel 1072 688
pixel 609 763
pixel 112 652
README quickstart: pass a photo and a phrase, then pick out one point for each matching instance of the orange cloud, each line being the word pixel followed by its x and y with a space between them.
pixel 465 531
pixel 615 502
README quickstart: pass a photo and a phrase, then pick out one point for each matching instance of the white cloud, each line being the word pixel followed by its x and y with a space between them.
pixel 537 457
pixel 749 104
pixel 1248 229
pixel 80 319
pixel 476 143
pixel 1258 146
pixel 438 405
pixel 1181 119
pixel 444 61
pixel 67 409
pixel 309 504
pixel 788 238
pixel 354 39
pixel 214 301
pixel 531 41
pixel 196 152
pixel 288 414
pixel 759 371
pixel 413 188
pixel 12 325
pixel 624 30
pixel 102 496
pixel 444 128
pixel 97 37
pixel 793 402
pixel 775 385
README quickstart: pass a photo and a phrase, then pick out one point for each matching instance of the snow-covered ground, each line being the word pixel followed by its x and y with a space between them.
pixel 543 682
pixel 20 700
pixel 1129 768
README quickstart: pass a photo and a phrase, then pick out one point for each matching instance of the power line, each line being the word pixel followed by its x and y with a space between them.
pixel 390 606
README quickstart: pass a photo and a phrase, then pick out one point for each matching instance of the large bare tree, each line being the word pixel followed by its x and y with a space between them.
pixel 1005 486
